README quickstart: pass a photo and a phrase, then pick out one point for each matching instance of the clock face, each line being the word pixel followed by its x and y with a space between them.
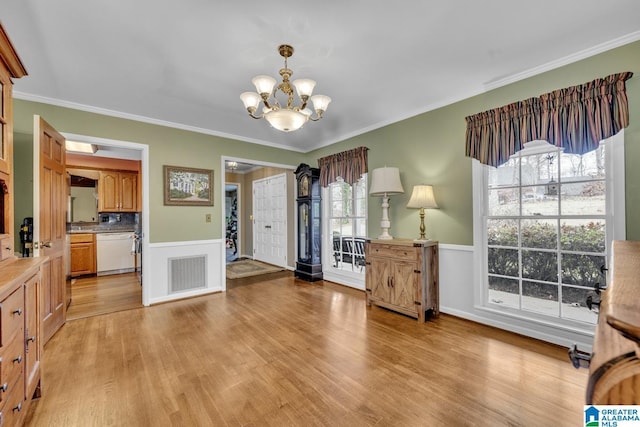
pixel 304 186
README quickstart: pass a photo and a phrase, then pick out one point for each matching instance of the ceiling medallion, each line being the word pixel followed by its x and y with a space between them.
pixel 285 118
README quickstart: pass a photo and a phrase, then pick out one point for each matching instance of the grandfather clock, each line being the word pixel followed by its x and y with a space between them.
pixel 308 261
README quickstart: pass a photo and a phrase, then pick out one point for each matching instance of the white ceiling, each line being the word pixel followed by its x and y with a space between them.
pixel 184 64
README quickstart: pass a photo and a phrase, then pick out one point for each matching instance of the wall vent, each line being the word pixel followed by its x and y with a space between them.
pixel 187 273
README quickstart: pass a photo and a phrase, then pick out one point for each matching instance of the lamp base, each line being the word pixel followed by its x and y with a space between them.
pixel 421 240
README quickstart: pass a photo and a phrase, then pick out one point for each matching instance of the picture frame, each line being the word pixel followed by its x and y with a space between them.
pixel 187 186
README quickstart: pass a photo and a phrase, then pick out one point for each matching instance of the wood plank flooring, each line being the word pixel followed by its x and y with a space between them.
pixel 96 295
pixel 284 352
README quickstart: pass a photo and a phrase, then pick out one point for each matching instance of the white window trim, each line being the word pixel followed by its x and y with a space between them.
pixel 615 228
pixel 343 277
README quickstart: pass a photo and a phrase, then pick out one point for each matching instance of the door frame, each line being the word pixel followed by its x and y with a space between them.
pixel 223 161
pixel 144 215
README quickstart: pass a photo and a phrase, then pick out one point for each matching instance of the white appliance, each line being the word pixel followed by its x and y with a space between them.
pixel 114 253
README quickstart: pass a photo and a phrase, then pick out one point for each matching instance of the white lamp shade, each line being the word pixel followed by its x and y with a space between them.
pixel 422 197
pixel 304 87
pixel 264 84
pixel 385 180
pixel 286 120
pixel 320 102
pixel 250 100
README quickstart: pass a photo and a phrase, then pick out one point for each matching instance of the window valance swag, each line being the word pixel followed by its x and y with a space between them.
pixel 576 118
pixel 350 165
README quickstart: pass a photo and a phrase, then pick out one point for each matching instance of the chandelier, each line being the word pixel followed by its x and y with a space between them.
pixel 284 118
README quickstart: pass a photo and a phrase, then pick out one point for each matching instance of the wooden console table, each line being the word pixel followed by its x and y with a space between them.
pixel 614 370
pixel 402 275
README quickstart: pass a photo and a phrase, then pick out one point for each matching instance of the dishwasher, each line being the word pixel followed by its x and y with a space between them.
pixel 114 253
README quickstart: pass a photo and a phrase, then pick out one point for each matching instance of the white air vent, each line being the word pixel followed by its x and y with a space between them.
pixel 187 273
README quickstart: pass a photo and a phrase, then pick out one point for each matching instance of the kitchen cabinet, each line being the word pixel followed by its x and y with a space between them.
pixel 402 275
pixel 117 191
pixel 83 254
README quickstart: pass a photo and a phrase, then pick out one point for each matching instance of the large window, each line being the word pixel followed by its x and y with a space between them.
pixel 547 227
pixel 345 216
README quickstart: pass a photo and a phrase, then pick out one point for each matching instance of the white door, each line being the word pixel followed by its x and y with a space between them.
pixel 270 220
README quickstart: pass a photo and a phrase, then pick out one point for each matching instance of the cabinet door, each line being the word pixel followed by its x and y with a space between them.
pixel 108 192
pixel 128 191
pixel 33 346
pixel 5 122
pixel 405 285
pixel 83 259
pixel 379 280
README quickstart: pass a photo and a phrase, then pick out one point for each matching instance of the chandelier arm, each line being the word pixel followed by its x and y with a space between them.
pixel 254 116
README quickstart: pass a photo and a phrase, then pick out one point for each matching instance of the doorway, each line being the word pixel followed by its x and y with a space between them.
pixel 119 288
pixel 244 172
pixel 232 205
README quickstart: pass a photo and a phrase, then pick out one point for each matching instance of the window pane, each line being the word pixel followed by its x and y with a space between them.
pixel 506 174
pixel 539 234
pixel 583 167
pixel 336 208
pixel 502 232
pixel 361 207
pixel 503 262
pixel 504 291
pixel 540 297
pixel 574 304
pixel 539 168
pixel 540 265
pixel 504 202
pixel 583 235
pixel 582 270
pixel 584 198
pixel 360 227
pixel 536 201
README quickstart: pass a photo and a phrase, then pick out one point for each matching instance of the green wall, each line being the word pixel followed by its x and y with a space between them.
pixel 167 146
pixel 428 148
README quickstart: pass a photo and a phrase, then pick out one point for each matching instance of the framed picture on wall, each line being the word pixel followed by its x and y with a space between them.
pixel 188 186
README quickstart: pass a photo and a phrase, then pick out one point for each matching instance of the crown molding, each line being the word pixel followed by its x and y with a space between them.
pixel 112 113
pixel 569 59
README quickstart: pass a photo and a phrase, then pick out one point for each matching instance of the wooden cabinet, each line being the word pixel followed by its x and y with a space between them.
pixel 614 377
pixel 117 191
pixel 10 68
pixel 20 343
pixel 83 254
pixel 402 275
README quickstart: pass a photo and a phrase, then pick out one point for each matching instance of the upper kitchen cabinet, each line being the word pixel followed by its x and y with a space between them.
pixel 117 191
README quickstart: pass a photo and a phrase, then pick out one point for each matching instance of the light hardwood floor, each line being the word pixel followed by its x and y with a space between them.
pixel 93 295
pixel 286 352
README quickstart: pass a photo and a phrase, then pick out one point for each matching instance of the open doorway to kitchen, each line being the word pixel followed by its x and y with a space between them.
pixel 107 246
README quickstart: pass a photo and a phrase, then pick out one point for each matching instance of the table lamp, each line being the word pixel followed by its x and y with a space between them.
pixel 385 182
pixel 422 198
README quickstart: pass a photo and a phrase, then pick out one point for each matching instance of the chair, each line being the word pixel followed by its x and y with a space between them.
pixel 358 253
pixel 336 250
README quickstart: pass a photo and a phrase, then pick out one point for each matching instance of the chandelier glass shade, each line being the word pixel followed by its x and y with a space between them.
pixel 285 117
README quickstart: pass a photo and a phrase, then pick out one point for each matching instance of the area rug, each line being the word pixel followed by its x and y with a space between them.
pixel 249 267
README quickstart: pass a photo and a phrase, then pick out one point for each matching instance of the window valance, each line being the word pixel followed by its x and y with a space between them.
pixel 350 165
pixel 576 118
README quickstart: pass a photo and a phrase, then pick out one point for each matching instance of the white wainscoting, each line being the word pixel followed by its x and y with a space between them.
pixel 457 290
pixel 158 268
